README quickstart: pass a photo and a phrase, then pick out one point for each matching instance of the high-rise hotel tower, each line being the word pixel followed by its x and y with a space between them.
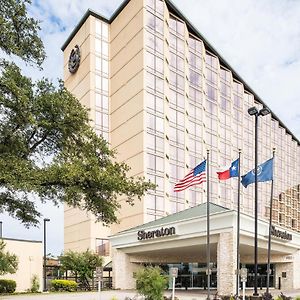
pixel 161 95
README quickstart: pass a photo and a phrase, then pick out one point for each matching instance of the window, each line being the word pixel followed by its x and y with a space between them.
pixel 177 26
pixel 155 43
pixel 155 122
pixel 154 83
pixel 156 5
pixel 156 64
pixel 155 163
pixel 211 76
pixel 101 29
pixel 211 61
pixel 195 45
pixel 211 92
pixel 101 102
pixel 102 247
pixel 155 23
pixel 101 65
pixel 195 78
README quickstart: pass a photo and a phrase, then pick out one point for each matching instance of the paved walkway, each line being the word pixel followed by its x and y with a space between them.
pixel 121 295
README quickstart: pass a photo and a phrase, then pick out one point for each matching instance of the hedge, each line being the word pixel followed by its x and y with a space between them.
pixel 7 286
pixel 63 285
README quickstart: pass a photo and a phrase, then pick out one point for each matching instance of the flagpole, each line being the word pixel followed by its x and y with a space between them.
pixel 208 229
pixel 238 228
pixel 270 227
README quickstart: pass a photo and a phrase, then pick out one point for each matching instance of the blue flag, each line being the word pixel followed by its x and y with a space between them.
pixel 264 173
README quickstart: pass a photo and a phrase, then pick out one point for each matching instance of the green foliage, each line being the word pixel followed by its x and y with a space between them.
pixel 35 284
pixel 38 121
pixel 267 296
pixel 282 296
pixel 151 283
pixel 47 146
pixel 19 32
pixel 82 264
pixel 7 286
pixel 8 262
pixel 63 285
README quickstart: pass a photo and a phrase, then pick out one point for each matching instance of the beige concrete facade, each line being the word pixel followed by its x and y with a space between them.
pixel 161 95
pixel 30 256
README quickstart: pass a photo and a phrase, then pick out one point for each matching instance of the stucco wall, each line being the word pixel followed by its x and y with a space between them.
pixel 30 255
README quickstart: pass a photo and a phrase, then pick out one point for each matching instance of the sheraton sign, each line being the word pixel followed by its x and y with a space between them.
pixel 152 234
pixel 281 234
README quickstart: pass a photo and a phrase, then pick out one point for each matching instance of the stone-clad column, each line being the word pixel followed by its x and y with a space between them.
pixel 287 281
pixel 296 270
pixel 226 263
pixel 123 270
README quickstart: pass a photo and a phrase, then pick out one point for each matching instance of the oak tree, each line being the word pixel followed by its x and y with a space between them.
pixel 48 150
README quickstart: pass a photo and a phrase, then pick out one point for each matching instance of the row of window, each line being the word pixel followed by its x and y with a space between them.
pixel 230 123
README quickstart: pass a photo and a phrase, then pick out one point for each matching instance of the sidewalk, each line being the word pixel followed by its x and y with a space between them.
pixel 121 295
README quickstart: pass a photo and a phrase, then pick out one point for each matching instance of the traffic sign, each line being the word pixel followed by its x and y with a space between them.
pixel 174 272
pixel 99 272
pixel 244 273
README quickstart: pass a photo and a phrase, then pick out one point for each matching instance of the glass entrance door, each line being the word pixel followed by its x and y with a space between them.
pixel 192 275
pixel 261 275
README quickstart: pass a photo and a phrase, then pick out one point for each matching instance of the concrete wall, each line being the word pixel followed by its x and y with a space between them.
pixel 80 227
pixel 127 101
pixel 30 256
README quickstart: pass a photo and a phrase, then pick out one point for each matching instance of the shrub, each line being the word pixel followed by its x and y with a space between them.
pixel 35 284
pixel 267 296
pixel 63 285
pixel 151 283
pixel 282 296
pixel 7 286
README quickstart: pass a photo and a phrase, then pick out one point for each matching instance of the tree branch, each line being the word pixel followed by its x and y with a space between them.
pixel 36 144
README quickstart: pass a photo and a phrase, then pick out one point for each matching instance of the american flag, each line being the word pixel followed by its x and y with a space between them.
pixel 196 176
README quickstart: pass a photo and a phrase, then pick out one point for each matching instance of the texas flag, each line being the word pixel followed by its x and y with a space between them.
pixel 233 171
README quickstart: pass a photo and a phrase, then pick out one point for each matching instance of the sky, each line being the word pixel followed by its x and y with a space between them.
pixel 260 39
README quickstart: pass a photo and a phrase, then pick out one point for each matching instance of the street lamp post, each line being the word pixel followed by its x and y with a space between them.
pixel 253 111
pixel 44 267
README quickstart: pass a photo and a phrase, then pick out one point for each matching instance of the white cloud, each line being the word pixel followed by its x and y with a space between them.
pixel 260 39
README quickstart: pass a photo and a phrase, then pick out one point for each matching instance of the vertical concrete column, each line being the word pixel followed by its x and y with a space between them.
pixel 296 270
pixel 123 270
pixel 226 261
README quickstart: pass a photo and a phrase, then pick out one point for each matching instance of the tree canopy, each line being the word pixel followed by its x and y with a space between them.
pixel 47 146
pixel 19 32
pixel 82 264
pixel 8 262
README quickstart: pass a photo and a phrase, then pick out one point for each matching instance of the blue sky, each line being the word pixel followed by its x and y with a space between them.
pixel 260 39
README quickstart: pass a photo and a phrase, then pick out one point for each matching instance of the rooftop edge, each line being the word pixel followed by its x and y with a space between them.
pixel 173 9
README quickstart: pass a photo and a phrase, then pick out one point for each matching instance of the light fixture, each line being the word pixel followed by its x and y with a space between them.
pixel 264 111
pixel 252 111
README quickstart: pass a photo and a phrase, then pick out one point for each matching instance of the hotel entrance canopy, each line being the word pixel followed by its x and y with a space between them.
pixel 181 237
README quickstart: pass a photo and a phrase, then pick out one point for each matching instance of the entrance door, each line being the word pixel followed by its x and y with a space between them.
pixel 261 276
pixel 200 280
pixel 192 275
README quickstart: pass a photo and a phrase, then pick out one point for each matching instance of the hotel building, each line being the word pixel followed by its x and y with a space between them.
pixel 161 95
